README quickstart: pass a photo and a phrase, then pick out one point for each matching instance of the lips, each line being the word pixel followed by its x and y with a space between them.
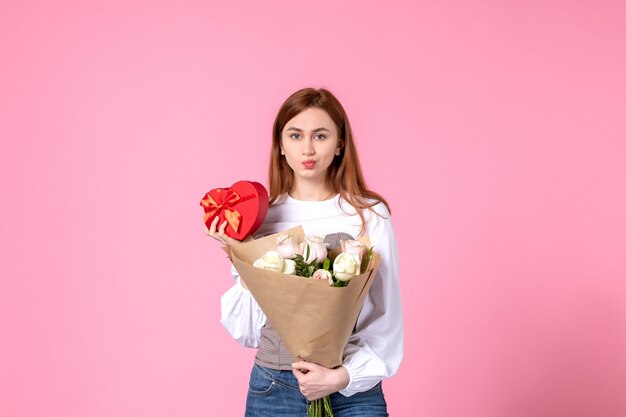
pixel 309 164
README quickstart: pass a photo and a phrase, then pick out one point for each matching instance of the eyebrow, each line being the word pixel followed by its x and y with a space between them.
pixel 319 129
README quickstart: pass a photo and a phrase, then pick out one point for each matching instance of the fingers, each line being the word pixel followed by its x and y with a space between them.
pixel 304 366
pixel 307 388
pixel 298 374
pixel 223 227
pixel 299 370
pixel 219 232
pixel 316 381
pixel 218 235
pixel 224 237
pixel 213 225
pixel 302 383
pixel 311 396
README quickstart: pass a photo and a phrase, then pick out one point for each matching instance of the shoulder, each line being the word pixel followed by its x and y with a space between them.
pixel 278 203
pixel 378 220
pixel 365 204
pixel 281 199
pixel 380 208
pixel 375 210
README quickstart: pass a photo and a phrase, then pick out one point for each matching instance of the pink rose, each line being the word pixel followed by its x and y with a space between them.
pixel 317 249
pixel 287 246
pixel 323 274
pixel 355 247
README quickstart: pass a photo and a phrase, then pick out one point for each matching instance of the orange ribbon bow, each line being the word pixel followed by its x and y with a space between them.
pixel 226 199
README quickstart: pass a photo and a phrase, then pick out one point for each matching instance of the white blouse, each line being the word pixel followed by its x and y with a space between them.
pixel 374 351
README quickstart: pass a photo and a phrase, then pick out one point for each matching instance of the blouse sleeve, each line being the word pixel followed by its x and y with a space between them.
pixel 241 315
pixel 375 350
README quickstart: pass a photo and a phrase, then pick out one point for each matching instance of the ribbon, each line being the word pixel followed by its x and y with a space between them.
pixel 226 198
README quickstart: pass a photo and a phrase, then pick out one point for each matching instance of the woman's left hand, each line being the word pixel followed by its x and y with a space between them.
pixel 316 381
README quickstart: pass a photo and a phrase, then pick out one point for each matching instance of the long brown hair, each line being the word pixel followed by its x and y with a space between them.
pixel 344 175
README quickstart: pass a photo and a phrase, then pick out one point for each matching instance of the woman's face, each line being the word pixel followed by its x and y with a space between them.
pixel 309 142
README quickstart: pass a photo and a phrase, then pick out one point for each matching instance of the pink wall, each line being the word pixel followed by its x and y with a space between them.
pixel 496 130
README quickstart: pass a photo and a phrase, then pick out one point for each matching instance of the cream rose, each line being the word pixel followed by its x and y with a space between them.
pixel 346 266
pixel 289 267
pixel 272 261
pixel 323 274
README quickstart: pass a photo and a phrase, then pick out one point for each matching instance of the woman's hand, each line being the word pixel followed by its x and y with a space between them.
pixel 219 234
pixel 316 381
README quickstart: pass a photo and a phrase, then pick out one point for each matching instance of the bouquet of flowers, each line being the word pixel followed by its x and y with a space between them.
pixel 310 259
pixel 311 296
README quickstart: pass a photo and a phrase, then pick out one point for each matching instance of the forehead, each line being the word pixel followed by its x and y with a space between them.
pixel 310 119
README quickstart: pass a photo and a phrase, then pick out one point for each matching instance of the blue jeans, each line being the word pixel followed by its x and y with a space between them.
pixel 275 393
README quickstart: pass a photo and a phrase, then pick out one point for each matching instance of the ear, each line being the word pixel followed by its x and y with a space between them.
pixel 339 148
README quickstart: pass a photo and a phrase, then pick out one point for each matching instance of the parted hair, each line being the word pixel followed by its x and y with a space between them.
pixel 344 175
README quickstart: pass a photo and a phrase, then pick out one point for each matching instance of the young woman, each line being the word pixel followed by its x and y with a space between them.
pixel 316 181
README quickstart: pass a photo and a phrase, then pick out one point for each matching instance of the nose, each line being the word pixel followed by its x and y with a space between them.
pixel 307 147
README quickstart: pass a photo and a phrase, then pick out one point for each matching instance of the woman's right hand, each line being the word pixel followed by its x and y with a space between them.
pixel 219 235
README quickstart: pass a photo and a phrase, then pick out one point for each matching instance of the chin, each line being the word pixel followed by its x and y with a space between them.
pixel 310 174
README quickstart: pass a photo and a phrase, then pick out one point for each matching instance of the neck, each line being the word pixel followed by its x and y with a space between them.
pixel 310 191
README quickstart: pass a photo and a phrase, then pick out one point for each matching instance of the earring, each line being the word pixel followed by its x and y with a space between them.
pixel 337 152
pixel 282 152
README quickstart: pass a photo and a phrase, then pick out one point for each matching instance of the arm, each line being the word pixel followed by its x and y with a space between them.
pixel 374 351
pixel 241 315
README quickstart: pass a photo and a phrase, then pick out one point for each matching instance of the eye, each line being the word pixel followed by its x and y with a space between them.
pixel 295 136
pixel 320 136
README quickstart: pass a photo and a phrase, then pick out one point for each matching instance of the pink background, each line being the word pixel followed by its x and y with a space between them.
pixel 496 130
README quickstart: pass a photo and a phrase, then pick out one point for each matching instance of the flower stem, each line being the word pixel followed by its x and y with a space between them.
pixel 327 407
pixel 321 408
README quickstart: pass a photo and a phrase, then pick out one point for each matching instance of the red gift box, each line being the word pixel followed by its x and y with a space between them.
pixel 243 205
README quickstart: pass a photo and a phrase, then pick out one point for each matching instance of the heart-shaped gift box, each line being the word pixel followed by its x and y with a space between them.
pixel 244 205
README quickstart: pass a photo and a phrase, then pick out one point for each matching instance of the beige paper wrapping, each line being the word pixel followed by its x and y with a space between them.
pixel 313 319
